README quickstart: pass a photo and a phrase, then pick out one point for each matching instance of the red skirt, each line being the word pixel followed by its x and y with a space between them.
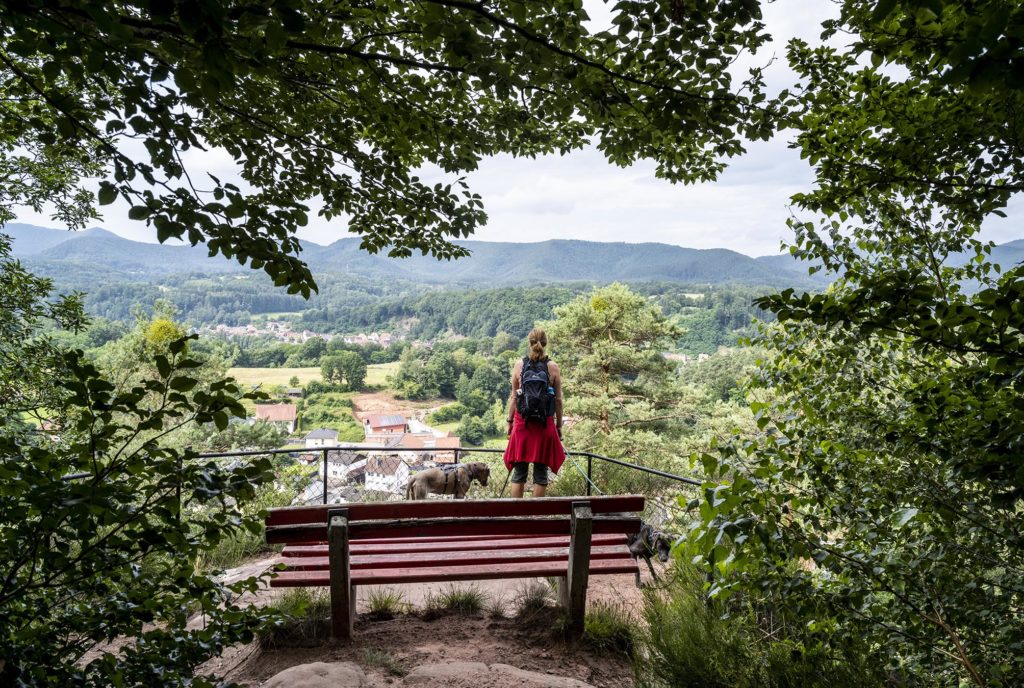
pixel 534 443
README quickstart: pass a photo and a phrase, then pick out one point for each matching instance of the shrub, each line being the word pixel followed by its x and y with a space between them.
pixel 236 548
pixel 689 645
pixel 112 551
pixel 691 642
pixel 448 414
pixel 472 430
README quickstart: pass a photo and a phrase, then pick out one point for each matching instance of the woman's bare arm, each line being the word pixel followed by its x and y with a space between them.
pixel 517 371
pixel 556 382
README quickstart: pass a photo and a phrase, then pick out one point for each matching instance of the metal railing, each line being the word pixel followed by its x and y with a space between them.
pixel 458 454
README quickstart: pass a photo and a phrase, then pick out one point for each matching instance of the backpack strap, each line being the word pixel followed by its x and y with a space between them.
pixel 527 363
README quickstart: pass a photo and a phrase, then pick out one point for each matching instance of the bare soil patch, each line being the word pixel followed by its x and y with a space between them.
pixel 370 403
pixel 386 648
pixel 409 641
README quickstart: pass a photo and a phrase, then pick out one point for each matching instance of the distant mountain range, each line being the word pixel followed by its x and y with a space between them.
pixel 97 252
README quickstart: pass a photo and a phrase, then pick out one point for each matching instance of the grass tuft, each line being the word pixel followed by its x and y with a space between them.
pixel 386 603
pixel 610 628
pixel 535 604
pixel 307 613
pixel 469 600
pixel 496 608
pixel 382 660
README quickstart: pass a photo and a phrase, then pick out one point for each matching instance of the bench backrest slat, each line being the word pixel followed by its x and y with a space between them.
pixel 453 508
pixel 300 533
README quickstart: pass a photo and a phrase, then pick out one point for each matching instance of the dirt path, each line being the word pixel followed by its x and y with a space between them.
pixel 392 648
pixel 389 648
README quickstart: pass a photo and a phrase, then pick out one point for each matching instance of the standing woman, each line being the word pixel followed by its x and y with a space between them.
pixel 538 438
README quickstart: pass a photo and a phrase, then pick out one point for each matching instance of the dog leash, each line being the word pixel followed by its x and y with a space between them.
pixel 586 478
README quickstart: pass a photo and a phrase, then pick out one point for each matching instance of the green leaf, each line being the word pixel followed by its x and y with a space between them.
pixel 107 193
pixel 163 366
pixel 904 515
pixel 183 384
pixel 139 212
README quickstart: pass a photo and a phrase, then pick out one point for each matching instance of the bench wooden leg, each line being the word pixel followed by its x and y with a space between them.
pixel 573 589
pixel 343 598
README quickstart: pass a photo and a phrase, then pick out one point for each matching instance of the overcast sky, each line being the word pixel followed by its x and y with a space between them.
pixel 581 196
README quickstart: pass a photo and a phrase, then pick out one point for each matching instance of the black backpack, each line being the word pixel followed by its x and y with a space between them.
pixel 534 399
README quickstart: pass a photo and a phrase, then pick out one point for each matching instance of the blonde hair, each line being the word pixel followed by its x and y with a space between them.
pixel 538 340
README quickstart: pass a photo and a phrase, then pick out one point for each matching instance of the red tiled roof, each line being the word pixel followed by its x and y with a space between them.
pixel 412 441
pixel 386 465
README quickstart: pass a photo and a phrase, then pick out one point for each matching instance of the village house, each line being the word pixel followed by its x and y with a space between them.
pixel 321 437
pixel 310 458
pixel 436 449
pixel 282 415
pixel 387 474
pixel 446 449
pixel 376 426
pixel 341 463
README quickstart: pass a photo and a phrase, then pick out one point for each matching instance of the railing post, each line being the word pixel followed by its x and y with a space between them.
pixel 325 475
pixel 590 471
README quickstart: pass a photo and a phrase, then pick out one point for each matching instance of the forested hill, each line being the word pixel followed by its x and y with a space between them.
pixel 56 252
pixel 505 263
pixel 79 259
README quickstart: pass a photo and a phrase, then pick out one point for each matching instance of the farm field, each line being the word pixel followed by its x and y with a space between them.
pixel 377 373
pixel 273 376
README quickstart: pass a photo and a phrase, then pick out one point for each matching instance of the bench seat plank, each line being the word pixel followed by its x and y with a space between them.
pixel 312 533
pixel 540 569
pixel 436 538
pixel 489 556
pixel 453 508
pixel 483 542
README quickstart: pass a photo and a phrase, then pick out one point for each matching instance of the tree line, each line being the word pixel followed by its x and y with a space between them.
pixel 709 317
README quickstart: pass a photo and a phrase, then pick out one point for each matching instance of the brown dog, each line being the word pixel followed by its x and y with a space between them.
pixel 454 481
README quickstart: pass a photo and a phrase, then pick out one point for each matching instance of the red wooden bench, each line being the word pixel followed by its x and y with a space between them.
pixel 344 545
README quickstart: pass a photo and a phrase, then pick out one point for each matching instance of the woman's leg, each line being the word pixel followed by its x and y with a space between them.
pixel 518 479
pixel 540 480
